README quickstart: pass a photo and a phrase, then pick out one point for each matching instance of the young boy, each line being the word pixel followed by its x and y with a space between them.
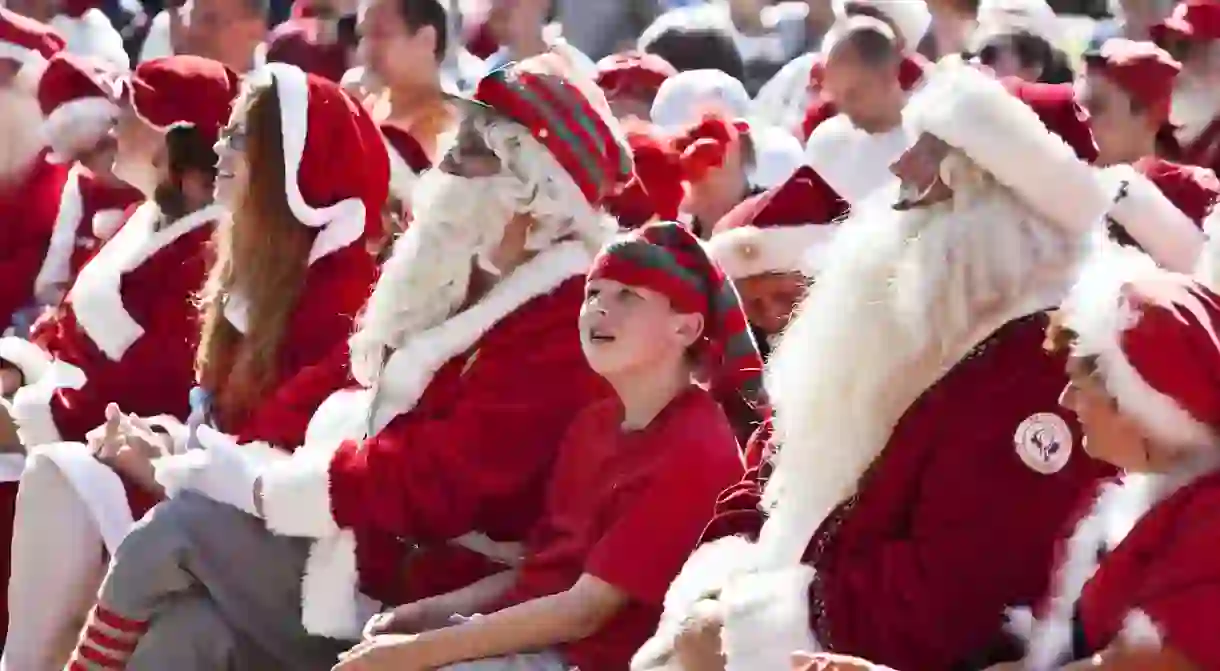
pixel 632 489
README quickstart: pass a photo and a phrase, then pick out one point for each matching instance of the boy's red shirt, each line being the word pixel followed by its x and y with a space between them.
pixel 628 508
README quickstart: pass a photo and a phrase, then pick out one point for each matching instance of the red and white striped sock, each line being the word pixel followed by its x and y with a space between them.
pixel 107 642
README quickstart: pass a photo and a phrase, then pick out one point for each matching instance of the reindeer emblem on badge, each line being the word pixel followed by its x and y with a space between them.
pixel 1045 444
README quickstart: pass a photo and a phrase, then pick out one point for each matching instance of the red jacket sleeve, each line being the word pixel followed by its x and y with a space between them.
pixel 428 475
pixel 981 536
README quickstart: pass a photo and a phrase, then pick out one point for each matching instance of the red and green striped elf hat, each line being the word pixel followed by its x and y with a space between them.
pixel 565 111
pixel 665 257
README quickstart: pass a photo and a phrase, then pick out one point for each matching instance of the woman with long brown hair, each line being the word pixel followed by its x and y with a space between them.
pixel 303 169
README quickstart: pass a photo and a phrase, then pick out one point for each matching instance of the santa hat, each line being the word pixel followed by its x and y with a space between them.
pixel 1153 336
pixel 87 31
pixel 565 111
pixel 656 189
pixel 76 106
pixel 1194 20
pixel 785 230
pixel 28 42
pixel 685 97
pixel 300 42
pixel 407 160
pixel 182 90
pixel 997 18
pixel 633 73
pixel 911 18
pixel 32 360
pixel 975 114
pixel 665 257
pixel 1059 111
pixel 1144 71
pixel 336 166
pixel 1161 206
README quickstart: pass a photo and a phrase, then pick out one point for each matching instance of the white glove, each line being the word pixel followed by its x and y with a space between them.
pixel 225 476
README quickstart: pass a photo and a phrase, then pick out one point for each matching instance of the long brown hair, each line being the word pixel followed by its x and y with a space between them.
pixel 263 255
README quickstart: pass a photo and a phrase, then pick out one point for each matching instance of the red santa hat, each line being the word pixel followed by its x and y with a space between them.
pixel 1193 20
pixel 1006 137
pixel 336 167
pixel 1153 335
pixel 656 189
pixel 176 90
pixel 1059 111
pixel 300 42
pixel 1144 71
pixel 634 73
pixel 785 230
pixel 76 106
pixel 565 111
pixel 407 160
pixel 29 43
pixel 1161 206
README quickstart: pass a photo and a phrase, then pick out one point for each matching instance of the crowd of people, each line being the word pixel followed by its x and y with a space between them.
pixel 854 336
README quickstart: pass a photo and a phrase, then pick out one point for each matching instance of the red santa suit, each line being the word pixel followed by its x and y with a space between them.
pixel 1141 568
pixel 1194 134
pixel 910 558
pixel 126 334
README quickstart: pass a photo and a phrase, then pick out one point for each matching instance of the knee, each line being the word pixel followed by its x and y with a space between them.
pixel 42 475
pixel 187 633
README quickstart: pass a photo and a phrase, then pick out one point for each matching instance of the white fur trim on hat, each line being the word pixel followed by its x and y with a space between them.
pixel 974 113
pixel 341 224
pixel 1153 221
pixel 686 96
pixel 1006 17
pixel 911 17
pixel 1097 313
pixel 29 358
pixel 749 251
pixel 31 65
pixel 77 126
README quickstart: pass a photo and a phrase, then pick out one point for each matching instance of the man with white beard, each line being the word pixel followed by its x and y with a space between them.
pixel 29 184
pixel 470 355
pixel 1192 35
pixel 924 465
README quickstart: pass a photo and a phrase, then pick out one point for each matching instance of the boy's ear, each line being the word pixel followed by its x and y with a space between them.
pixel 689 328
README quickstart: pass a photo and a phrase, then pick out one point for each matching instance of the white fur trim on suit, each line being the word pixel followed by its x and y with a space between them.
pixel 57 264
pixel 32 360
pixel 341 224
pixel 77 126
pixel 1208 269
pixel 98 487
pixel 853 162
pixel 31 65
pixel 402 177
pixel 749 251
pixel 766 619
pixel 1153 221
pixel 1140 632
pixel 96 295
pixel 11 465
pixel 32 403
pixel 296 494
pixel 1097 312
pixel 974 113
pixel 106 223
pixel 703 576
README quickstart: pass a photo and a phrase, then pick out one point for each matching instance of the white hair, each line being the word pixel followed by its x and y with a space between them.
pixel 459 220
pixel 902 292
pixel 20 117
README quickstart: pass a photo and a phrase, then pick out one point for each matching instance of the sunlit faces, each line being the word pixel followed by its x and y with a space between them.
pixel 1109 434
pixel 769 299
pixel 627 329
pixel 390 49
pixel 139 150
pixel 1113 119
pixel 232 164
pixel 625 106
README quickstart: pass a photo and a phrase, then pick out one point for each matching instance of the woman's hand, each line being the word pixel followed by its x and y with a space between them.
pixel 388 652
pixel 804 661
pixel 128 445
pixel 410 618
pixel 698 646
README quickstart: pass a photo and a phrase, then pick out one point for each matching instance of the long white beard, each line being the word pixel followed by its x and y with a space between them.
pixel 20 134
pixel 1195 104
pixel 903 292
pixel 458 220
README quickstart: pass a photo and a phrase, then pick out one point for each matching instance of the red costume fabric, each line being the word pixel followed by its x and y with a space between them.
pixel 627 508
pixel 29 207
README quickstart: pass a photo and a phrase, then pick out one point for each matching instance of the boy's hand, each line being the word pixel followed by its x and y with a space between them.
pixel 804 661
pixel 387 652
pixel 698 647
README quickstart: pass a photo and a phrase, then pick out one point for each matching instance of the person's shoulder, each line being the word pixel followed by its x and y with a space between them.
pixel 1010 363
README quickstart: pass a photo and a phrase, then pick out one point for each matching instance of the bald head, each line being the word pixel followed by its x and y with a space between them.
pixel 868 41
pixel 863 55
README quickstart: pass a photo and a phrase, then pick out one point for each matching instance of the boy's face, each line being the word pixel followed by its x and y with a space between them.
pixel 770 299
pixel 626 329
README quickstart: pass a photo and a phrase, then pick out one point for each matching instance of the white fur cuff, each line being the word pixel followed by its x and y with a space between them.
pixel 296 496
pixel 331 602
pixel 767 619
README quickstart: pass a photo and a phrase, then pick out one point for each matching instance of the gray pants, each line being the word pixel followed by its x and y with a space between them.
pixel 218 590
pixel 546 660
